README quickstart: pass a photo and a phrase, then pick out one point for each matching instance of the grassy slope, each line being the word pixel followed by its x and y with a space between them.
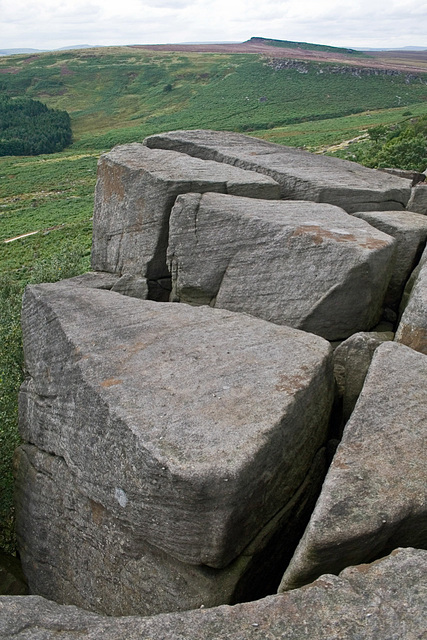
pixel 117 95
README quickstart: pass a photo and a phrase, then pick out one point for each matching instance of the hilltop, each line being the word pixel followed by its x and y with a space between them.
pixel 402 60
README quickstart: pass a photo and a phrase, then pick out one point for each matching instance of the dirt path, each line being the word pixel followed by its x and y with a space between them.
pixel 24 235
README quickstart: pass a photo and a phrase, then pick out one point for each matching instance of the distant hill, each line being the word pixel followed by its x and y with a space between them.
pixel 12 52
pixel 391 48
pixel 305 46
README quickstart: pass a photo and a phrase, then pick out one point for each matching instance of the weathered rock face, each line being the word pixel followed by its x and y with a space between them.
pixel 152 427
pixel 410 231
pixel 311 266
pixel 301 175
pixel 382 600
pixel 414 176
pixel 173 454
pixel 374 495
pixel 412 329
pixel 352 359
pixel 418 200
pixel 135 191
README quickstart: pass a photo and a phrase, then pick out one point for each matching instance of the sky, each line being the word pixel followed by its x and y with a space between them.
pixel 50 24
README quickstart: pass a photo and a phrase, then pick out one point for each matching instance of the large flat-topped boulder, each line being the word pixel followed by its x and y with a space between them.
pixel 381 601
pixel 136 188
pixel 308 265
pixel 301 175
pixel 185 430
pixel 410 231
pixel 374 495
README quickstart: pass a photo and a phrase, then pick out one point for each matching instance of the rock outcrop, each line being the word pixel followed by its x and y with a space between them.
pixel 163 440
pixel 383 600
pixel 301 175
pixel 311 266
pixel 173 454
pixel 374 496
pixel 135 191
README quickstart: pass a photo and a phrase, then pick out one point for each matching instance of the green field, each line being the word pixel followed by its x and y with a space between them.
pixel 118 95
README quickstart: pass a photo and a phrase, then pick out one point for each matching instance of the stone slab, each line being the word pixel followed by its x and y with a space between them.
pixel 301 175
pixel 374 496
pixel 412 328
pixel 135 190
pixel 418 200
pixel 410 231
pixel 311 266
pixel 385 600
pixel 193 427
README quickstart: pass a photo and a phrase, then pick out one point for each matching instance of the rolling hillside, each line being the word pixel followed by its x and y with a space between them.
pixel 123 93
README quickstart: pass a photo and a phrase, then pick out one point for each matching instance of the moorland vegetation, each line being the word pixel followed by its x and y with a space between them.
pixel 119 95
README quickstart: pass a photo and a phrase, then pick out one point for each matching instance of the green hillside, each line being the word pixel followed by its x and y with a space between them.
pixel 129 88
pixel 117 95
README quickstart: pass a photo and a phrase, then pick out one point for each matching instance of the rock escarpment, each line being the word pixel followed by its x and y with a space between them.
pixel 174 453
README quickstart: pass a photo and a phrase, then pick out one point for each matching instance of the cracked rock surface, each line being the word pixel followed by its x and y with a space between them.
pixel 160 425
pixel 374 497
pixel 311 266
pixel 136 188
pixel 301 175
pixel 386 599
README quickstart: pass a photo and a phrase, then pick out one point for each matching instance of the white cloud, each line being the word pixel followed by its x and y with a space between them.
pixel 55 23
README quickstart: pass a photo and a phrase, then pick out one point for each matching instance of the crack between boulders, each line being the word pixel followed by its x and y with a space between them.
pixel 196 219
pixel 292 501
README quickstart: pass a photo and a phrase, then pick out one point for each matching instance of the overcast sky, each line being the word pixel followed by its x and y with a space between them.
pixel 48 24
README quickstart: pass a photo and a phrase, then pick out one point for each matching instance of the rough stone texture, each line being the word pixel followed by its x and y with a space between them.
pixel 301 175
pixel 127 284
pixel 135 191
pixel 374 495
pixel 410 231
pixel 352 359
pixel 412 329
pixel 418 200
pixel 414 176
pixel 311 266
pixel 386 600
pixel 410 283
pixel 12 580
pixel 186 430
pixel 120 574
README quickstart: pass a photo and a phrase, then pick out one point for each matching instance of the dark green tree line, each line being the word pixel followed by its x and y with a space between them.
pixel 28 127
